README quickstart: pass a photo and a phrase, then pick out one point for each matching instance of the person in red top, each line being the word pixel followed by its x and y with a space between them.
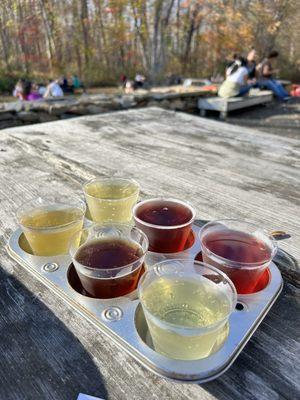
pixel 123 80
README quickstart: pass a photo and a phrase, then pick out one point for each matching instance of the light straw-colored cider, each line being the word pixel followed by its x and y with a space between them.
pixel 48 229
pixel 111 201
pixel 191 316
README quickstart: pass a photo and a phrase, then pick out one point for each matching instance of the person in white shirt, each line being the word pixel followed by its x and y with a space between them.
pixel 42 90
pixel 139 81
pixel 53 90
pixel 236 82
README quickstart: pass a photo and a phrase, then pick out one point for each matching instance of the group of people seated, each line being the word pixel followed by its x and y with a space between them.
pixel 243 74
pixel 129 86
pixel 31 91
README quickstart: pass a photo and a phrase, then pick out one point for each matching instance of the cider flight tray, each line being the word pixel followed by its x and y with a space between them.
pixel 123 321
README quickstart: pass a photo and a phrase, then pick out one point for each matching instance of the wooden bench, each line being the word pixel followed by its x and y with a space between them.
pixel 196 82
pixel 285 83
pixel 224 106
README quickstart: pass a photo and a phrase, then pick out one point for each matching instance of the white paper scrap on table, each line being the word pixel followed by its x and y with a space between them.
pixel 82 396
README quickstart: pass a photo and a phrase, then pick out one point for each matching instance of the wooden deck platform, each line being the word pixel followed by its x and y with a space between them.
pixel 48 351
pixel 225 105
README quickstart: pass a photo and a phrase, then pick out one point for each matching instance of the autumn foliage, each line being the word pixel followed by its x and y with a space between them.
pixel 100 39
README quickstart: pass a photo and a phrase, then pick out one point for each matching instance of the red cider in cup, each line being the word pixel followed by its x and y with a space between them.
pixel 239 249
pixel 166 222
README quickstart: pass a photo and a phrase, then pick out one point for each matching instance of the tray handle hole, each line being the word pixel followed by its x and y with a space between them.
pixel 239 306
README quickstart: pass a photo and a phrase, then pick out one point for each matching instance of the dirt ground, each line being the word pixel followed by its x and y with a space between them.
pixel 278 118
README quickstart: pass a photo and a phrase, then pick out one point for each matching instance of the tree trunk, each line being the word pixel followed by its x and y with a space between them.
pixel 5 45
pixel 143 37
pixel 49 36
pixel 85 30
pixel 164 28
pixel 99 6
pixel 194 24
pixel 155 61
pixel 22 38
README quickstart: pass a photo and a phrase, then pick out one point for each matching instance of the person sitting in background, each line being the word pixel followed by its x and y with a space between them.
pixel 251 65
pixel 32 92
pixel 230 64
pixel 53 89
pixel 123 80
pixel 66 88
pixel 76 82
pixel 19 90
pixel 41 89
pixel 129 87
pixel 27 89
pixel 267 80
pixel 139 81
pixel 236 82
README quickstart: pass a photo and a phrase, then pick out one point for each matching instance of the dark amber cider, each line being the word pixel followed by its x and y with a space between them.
pixel 104 259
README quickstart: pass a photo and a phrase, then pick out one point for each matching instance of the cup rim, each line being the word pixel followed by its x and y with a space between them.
pixel 237 263
pixel 115 268
pixel 107 178
pixel 45 202
pixel 199 263
pixel 171 199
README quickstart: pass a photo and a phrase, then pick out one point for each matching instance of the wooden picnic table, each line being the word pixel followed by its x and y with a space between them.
pixel 47 350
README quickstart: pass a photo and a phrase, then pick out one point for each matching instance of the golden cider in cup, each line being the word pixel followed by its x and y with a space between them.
pixel 49 225
pixel 111 199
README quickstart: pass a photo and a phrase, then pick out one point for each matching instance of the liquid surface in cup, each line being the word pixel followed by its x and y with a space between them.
pixel 185 303
pixel 164 213
pixel 111 190
pixel 238 247
pixel 110 254
pixel 111 202
pixel 48 230
pixel 166 234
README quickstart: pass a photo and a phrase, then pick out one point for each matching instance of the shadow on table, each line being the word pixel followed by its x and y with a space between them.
pixel 39 357
pixel 265 369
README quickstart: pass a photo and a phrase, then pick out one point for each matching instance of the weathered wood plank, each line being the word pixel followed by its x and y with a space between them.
pixel 48 351
pixel 224 170
pixel 234 103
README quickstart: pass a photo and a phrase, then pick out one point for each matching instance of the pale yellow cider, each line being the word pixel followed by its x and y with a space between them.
pixel 186 317
pixel 111 202
pixel 48 230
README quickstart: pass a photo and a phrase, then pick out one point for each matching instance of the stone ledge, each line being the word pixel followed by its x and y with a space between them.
pixel 58 108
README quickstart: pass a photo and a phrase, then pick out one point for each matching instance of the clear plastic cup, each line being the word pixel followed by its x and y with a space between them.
pixel 187 305
pixel 100 256
pixel 192 245
pixel 48 224
pixel 240 249
pixel 111 199
pixel 165 238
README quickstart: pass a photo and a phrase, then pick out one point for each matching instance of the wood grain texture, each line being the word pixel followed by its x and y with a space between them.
pixel 50 352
